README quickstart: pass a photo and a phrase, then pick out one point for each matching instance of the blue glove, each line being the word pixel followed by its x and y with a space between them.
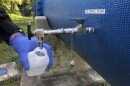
pixel 23 46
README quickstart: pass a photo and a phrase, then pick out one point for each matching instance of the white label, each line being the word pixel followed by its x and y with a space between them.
pixel 95 11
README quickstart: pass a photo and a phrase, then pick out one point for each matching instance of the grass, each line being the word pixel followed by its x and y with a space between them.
pixel 7 53
pixel 22 21
pixel 15 81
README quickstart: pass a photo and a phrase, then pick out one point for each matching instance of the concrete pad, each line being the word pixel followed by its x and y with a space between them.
pixel 28 80
pixel 82 78
pixel 11 71
pixel 87 78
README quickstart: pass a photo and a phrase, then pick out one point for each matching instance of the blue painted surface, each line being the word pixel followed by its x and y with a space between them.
pixel 39 8
pixel 2 71
pixel 108 49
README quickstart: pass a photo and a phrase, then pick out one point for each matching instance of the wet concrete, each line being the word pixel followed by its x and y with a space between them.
pixel 85 78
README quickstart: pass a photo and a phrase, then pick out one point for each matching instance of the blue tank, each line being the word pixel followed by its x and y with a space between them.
pixel 108 49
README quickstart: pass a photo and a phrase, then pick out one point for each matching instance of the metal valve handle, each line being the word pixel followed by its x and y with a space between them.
pixel 30 34
pixel 79 20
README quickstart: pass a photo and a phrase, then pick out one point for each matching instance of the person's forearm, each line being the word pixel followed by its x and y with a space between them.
pixel 7 28
pixel 13 35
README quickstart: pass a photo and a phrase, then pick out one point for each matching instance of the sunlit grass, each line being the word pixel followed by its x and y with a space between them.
pixel 22 21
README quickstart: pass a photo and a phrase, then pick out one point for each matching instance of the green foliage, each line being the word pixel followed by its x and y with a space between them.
pixel 15 80
pixel 27 7
pixel 2 4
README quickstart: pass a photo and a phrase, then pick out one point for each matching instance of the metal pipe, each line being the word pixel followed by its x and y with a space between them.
pixel 40 41
pixel 64 31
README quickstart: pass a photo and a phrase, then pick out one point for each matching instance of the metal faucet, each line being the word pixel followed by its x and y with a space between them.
pixel 79 29
pixel 39 33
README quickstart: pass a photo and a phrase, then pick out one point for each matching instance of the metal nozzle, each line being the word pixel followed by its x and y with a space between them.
pixel 40 34
pixel 40 40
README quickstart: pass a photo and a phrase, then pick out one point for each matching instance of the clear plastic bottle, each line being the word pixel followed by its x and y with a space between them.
pixel 38 61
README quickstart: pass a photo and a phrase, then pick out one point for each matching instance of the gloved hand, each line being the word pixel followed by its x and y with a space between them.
pixel 23 46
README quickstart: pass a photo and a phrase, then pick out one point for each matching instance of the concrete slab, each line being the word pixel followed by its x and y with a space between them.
pixel 74 79
pixel 11 71
pixel 28 81
pixel 82 78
